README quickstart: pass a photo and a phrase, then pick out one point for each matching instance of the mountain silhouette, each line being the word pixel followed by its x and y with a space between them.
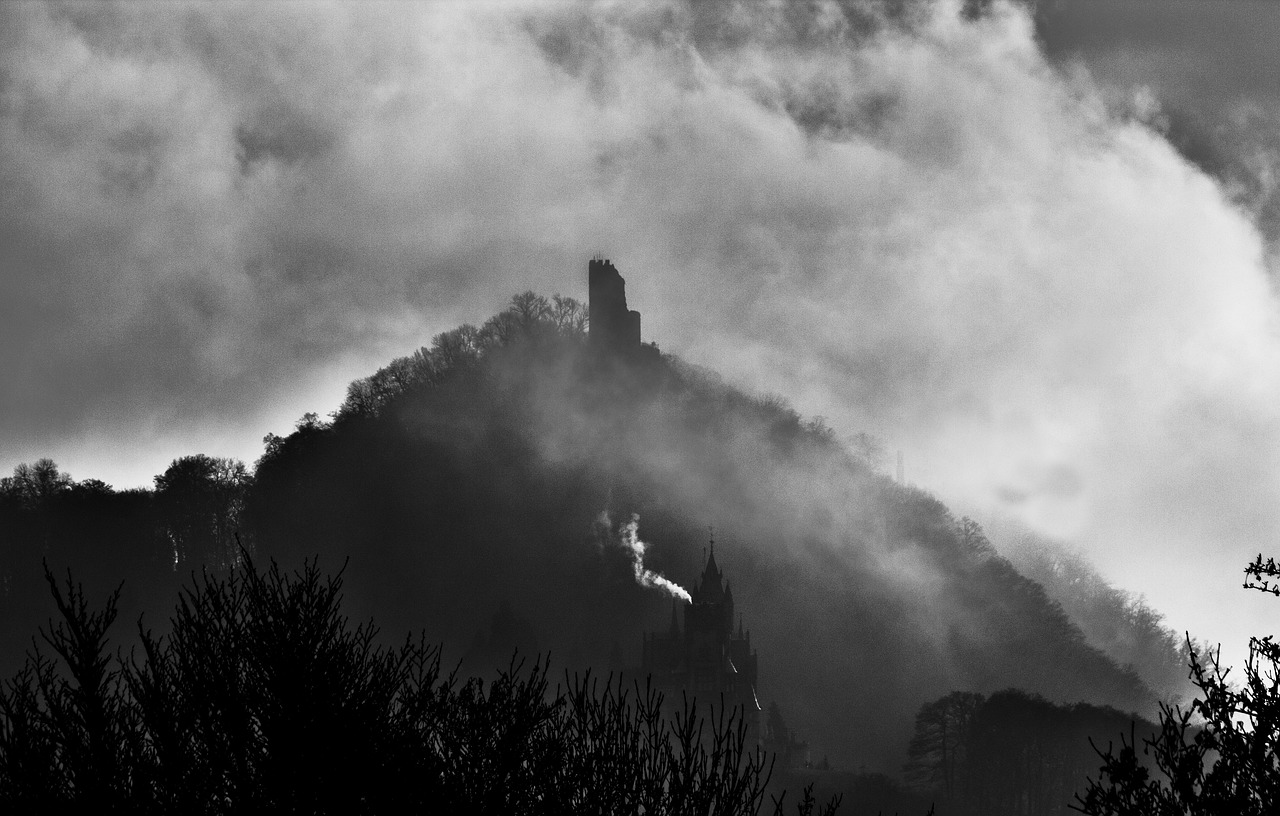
pixel 465 484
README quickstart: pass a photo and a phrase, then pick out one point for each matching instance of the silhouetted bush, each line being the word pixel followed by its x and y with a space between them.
pixel 264 698
pixel 1219 756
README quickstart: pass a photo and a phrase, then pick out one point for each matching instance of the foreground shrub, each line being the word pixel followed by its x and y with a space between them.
pixel 264 698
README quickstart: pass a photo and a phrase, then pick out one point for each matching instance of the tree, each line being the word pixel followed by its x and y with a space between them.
pixel 200 499
pixel 1009 754
pixel 569 315
pixel 1220 755
pixel 1123 625
pixel 972 539
pixel 940 744
pixel 868 448
pixel 530 309
pixel 456 348
pixel 62 732
pixel 32 484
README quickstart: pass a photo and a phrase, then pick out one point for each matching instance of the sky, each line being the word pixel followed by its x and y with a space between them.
pixel 1033 248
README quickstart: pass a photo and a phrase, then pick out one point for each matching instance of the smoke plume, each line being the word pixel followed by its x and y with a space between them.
pixel 628 536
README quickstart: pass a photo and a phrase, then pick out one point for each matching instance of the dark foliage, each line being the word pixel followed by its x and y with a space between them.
pixel 107 535
pixel 1010 754
pixel 265 699
pixel 863 793
pixel 199 499
pixel 1220 755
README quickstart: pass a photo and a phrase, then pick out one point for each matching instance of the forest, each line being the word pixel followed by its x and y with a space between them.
pixel 457 492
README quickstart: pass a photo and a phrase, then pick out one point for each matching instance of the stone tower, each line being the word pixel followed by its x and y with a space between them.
pixel 613 327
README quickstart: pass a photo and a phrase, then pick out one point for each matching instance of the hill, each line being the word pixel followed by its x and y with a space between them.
pixel 476 490
pixel 467 482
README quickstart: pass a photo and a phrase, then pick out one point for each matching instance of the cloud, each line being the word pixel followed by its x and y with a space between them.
pixel 213 216
pixel 1207 72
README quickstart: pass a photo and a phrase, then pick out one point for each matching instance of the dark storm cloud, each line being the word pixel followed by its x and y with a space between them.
pixel 1207 73
pixel 910 222
pixel 1203 48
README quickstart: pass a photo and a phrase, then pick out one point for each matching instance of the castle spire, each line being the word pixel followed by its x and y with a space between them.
pixel 711 567
pixel 710 584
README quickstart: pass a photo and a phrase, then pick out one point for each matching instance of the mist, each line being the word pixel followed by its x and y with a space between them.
pixel 470 478
pixel 915 225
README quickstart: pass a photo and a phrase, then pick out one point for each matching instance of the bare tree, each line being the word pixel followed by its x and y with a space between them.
pixel 35 483
pixel 1220 755
pixel 941 743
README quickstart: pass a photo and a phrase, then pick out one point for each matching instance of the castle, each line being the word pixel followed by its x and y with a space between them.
pixel 612 326
pixel 706 658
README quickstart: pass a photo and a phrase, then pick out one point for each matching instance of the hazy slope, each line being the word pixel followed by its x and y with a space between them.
pixel 475 473
pixel 1121 624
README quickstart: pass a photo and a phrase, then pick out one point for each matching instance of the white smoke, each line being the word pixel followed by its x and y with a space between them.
pixel 629 538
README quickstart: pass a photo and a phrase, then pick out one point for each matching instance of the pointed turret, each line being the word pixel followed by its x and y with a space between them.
pixel 711 589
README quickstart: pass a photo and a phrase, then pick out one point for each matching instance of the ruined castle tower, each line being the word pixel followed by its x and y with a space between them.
pixel 613 327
